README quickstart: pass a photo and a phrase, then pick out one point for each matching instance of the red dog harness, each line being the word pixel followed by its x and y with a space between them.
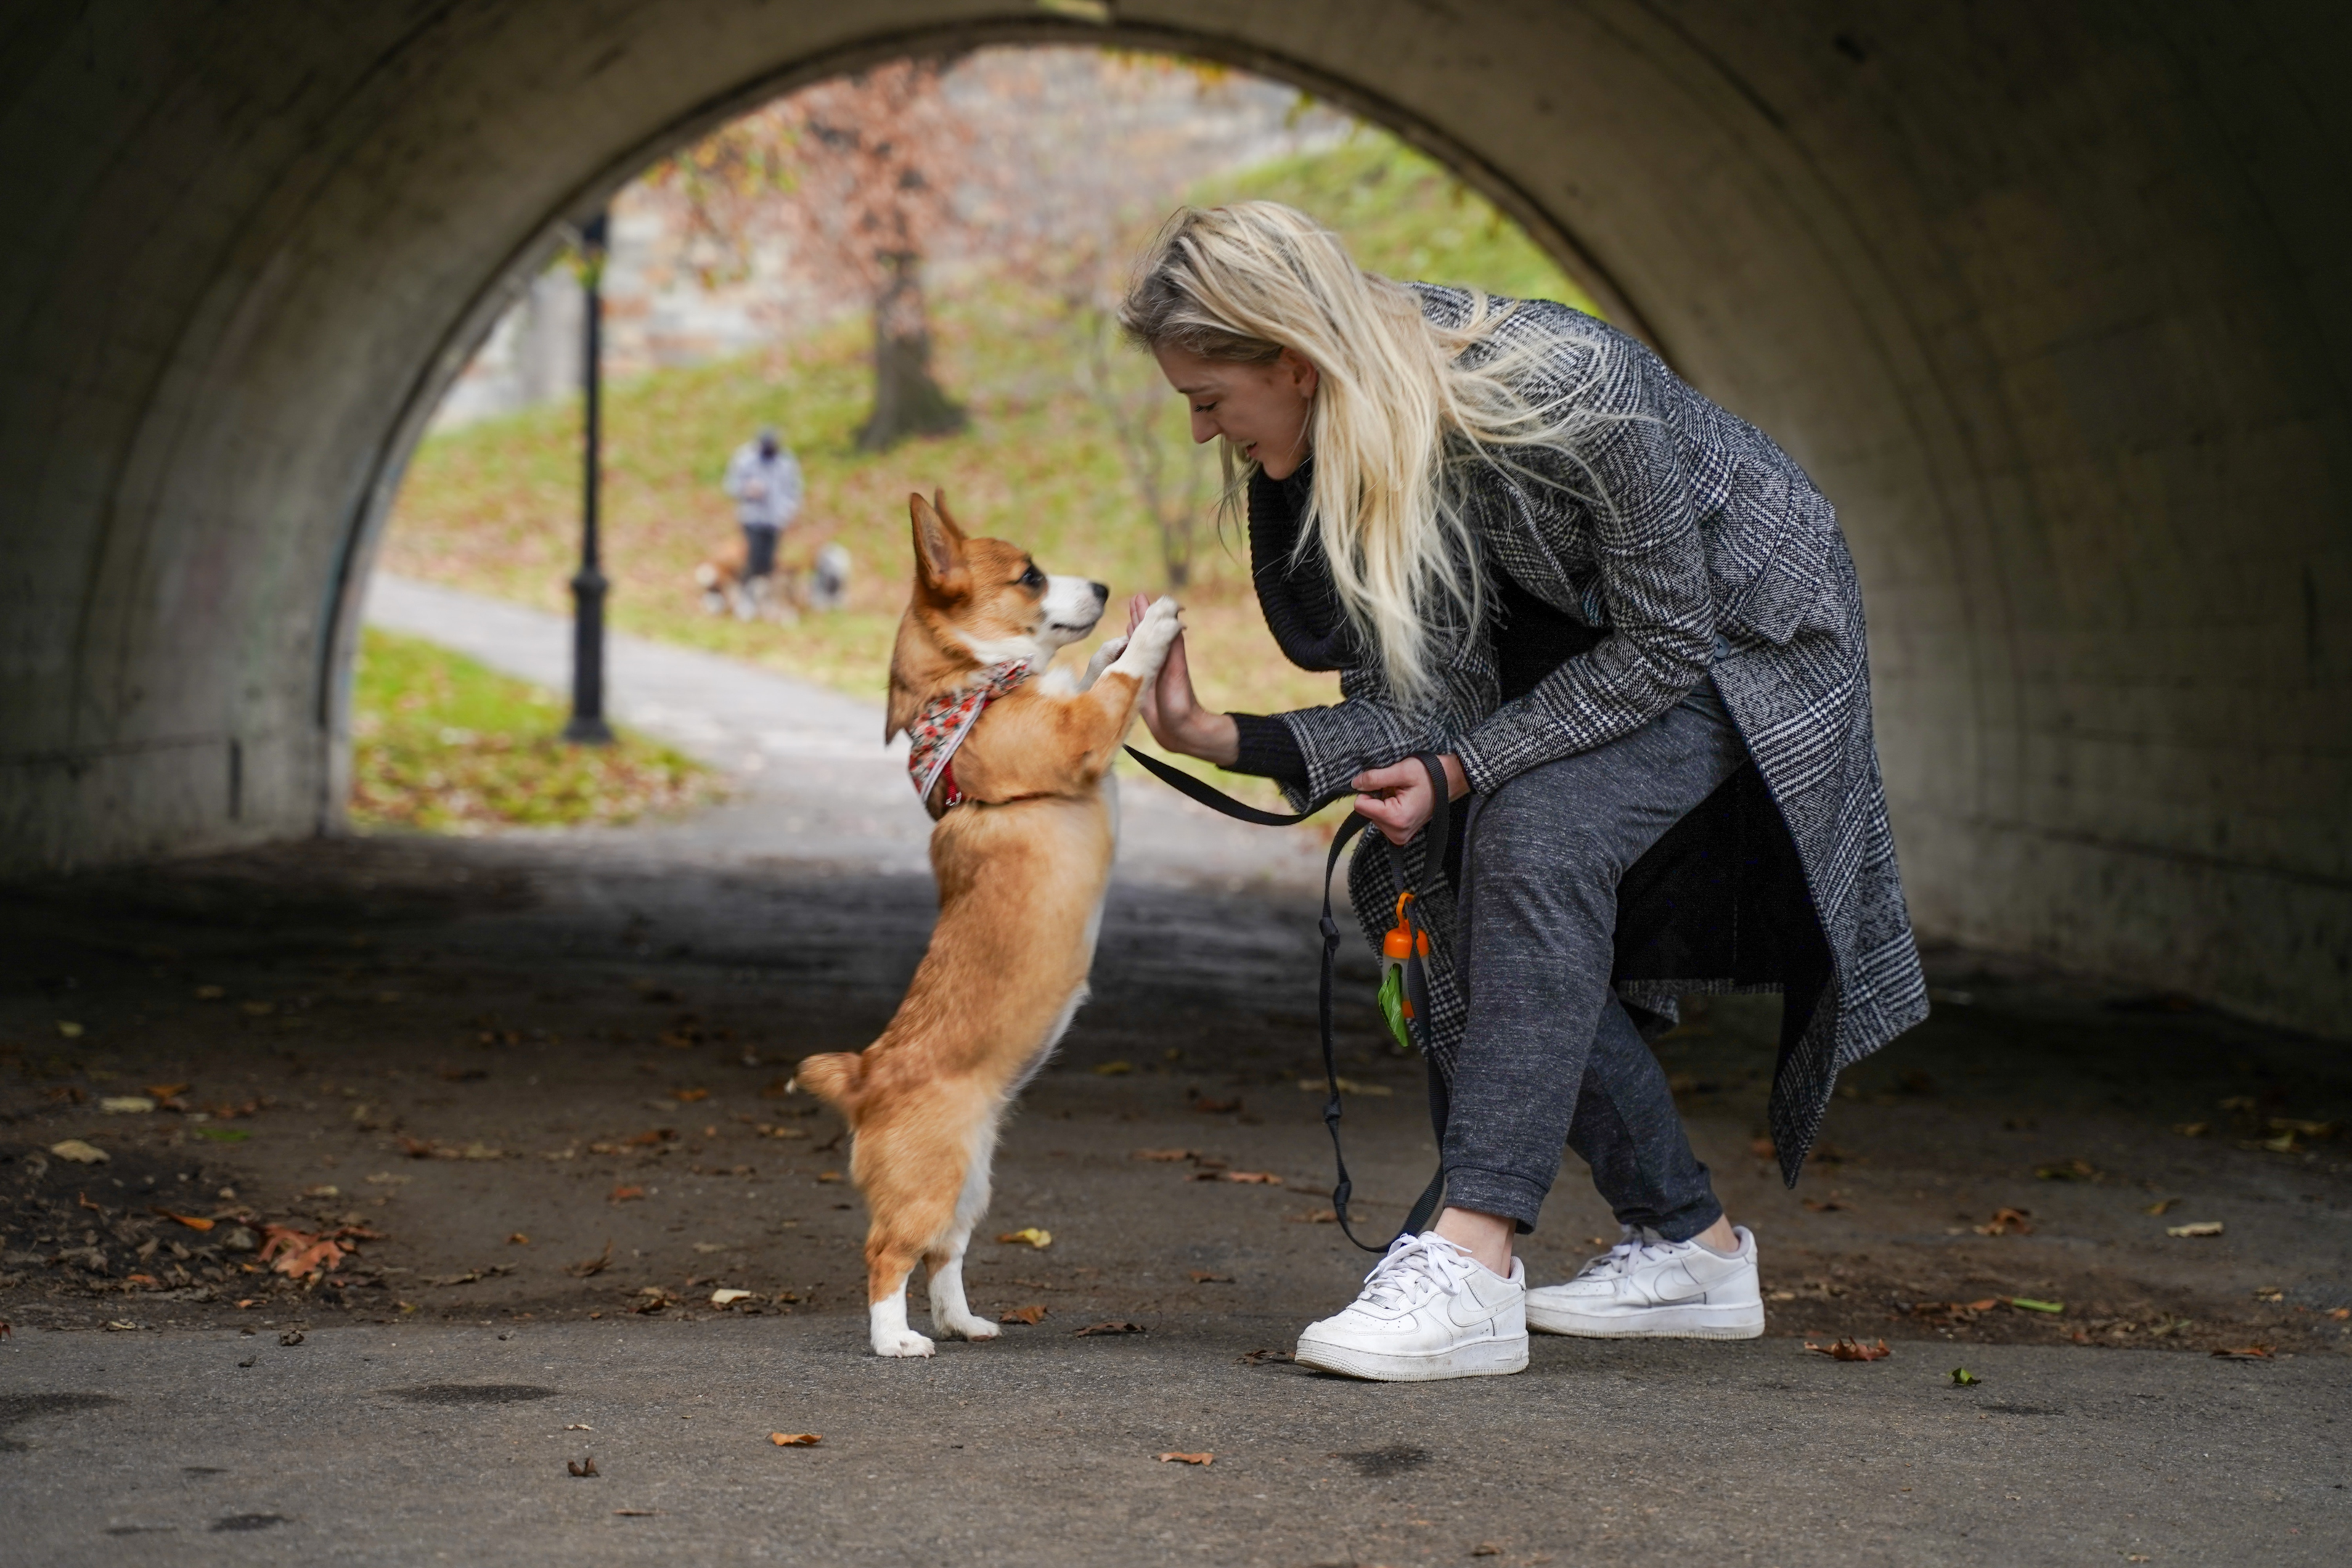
pixel 940 729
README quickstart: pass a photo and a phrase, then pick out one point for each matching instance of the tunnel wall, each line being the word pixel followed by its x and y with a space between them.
pixel 2051 300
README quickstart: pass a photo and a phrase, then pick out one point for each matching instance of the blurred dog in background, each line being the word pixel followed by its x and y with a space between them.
pixel 816 583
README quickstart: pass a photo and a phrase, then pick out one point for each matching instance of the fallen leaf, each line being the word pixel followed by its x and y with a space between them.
pixel 80 1153
pixel 1163 1156
pixel 1987 1305
pixel 2192 1128
pixel 211 992
pixel 1111 1326
pixel 1315 1216
pixel 290 1337
pixel 1029 1235
pixel 1113 1069
pixel 1033 1315
pixel 1202 1277
pixel 518 1239
pixel 81 1200
pixel 1485 1549
pixel 1965 1378
pixel 795 1439
pixel 121 1325
pixel 1819 1206
pixel 728 1298
pixel 636 1512
pixel 2066 1170
pixel 596 1264
pixel 167 1092
pixel 2340 1313
pixel 223 1134
pixel 2197 1228
pixel 2028 1304
pixel 2007 1222
pixel 689 1096
pixel 2246 1353
pixel 783 1132
pixel 2161 1206
pixel 299 1253
pixel 1347 1086
pixel 1173 1457
pixel 125 1104
pixel 586 1467
pixel 1214 1107
pixel 623 1194
pixel 1849 1348
pixel 1254 1178
pixel 1762 1148
pixel 1259 1357
pixel 69 1029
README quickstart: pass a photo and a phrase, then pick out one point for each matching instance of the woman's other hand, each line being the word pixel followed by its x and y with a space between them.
pixel 1396 799
pixel 1173 713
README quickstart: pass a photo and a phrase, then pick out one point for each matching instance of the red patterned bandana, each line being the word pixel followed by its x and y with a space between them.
pixel 940 728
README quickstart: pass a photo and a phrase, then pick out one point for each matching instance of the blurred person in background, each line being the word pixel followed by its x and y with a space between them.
pixel 765 481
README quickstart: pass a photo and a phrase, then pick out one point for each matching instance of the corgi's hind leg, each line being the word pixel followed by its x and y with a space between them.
pixel 911 1176
pixel 950 1313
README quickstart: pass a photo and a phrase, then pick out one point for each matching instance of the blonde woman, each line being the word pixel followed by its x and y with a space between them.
pixel 1627 625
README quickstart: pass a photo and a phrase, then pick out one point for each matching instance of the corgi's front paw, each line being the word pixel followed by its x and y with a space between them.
pixel 901 1342
pixel 1148 644
pixel 1102 660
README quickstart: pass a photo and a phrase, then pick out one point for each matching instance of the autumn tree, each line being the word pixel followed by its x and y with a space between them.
pixel 856 178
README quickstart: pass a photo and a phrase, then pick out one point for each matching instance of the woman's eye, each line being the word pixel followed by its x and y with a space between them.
pixel 1203 407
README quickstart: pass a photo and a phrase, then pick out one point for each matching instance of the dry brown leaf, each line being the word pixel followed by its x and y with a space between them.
pixel 1259 1357
pixel 795 1439
pixel 1824 1207
pixel 1173 1457
pixel 2007 1222
pixel 2247 1353
pixel 1254 1178
pixel 1027 1236
pixel 2204 1227
pixel 1208 1107
pixel 1162 1156
pixel 1032 1314
pixel 586 1467
pixel 1203 1277
pixel 1315 1216
pixel 689 1096
pixel 1110 1326
pixel 623 1194
pixel 80 1153
pixel 192 1221
pixel 596 1264
pixel 1849 1348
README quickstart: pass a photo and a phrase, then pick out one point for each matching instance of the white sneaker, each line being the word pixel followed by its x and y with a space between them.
pixel 1428 1310
pixel 1643 1286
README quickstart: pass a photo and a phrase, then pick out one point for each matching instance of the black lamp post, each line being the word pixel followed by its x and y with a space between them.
pixel 588 584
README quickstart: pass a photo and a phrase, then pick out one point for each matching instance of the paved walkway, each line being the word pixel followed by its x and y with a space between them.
pixel 817 782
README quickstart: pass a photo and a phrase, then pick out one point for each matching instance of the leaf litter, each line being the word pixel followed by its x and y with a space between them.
pixel 1849 1348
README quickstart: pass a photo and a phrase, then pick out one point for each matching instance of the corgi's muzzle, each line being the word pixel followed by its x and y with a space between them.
pixel 1073 605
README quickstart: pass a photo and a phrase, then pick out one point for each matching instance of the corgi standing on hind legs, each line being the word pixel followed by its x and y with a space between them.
pixel 1014 761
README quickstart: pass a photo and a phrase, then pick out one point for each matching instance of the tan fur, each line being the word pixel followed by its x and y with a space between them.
pixel 1021 871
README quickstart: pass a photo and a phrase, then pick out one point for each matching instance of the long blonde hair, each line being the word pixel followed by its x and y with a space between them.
pixel 1398 402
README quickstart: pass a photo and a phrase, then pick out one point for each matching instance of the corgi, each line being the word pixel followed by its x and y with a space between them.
pixel 1012 760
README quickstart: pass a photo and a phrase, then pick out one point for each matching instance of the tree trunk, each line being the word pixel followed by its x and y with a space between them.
pixel 906 401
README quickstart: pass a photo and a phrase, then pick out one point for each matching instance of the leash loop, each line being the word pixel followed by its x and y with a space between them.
pixel 1434 838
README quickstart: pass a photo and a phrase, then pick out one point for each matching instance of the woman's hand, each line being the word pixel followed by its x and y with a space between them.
pixel 1170 710
pixel 1397 799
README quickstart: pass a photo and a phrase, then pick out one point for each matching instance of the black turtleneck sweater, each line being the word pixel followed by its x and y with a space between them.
pixel 1302 610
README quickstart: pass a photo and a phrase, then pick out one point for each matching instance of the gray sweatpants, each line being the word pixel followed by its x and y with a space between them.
pixel 1550 1054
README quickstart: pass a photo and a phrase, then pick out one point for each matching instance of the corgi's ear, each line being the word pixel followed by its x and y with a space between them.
pixel 939 547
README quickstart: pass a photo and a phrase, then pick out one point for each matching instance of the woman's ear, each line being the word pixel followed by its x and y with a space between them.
pixel 1304 377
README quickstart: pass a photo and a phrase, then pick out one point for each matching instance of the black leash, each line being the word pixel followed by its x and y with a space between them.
pixel 1416 981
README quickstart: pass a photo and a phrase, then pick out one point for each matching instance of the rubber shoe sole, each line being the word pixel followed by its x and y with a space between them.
pixel 1482 1358
pixel 1730 1321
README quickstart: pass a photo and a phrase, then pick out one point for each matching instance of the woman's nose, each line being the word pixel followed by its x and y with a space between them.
pixel 1204 429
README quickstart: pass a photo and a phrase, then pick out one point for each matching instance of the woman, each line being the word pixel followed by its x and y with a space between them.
pixel 1626 624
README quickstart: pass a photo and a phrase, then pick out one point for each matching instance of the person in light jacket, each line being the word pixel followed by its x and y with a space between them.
pixel 766 480
pixel 1623 623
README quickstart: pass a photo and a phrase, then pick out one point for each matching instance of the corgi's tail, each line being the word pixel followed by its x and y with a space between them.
pixel 837 1077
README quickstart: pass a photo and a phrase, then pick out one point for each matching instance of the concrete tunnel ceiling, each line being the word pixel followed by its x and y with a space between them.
pixel 2051 300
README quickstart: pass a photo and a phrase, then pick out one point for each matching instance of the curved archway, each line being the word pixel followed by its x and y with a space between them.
pixel 2050 304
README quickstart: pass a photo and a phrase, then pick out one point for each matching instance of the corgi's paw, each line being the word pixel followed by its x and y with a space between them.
pixel 964 1326
pixel 901 1342
pixel 1102 661
pixel 1148 644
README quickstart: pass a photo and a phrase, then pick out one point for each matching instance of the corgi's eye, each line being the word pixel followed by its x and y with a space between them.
pixel 1032 579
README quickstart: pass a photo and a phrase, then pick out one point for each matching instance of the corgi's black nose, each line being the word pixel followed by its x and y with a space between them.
pixel 1102 591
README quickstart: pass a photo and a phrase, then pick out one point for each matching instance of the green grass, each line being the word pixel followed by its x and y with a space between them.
pixel 443 744
pixel 494 507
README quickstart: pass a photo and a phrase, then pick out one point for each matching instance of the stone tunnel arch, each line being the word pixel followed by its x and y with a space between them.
pixel 2053 303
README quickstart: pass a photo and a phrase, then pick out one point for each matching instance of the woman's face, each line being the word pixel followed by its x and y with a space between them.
pixel 1260 408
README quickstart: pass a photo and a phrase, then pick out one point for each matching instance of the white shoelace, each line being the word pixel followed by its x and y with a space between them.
pixel 1413 1267
pixel 1618 1260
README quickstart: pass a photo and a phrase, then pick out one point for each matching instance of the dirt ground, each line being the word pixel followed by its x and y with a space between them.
pixel 533 1080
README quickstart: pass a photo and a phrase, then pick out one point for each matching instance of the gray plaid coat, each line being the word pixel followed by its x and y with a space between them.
pixel 1711 551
